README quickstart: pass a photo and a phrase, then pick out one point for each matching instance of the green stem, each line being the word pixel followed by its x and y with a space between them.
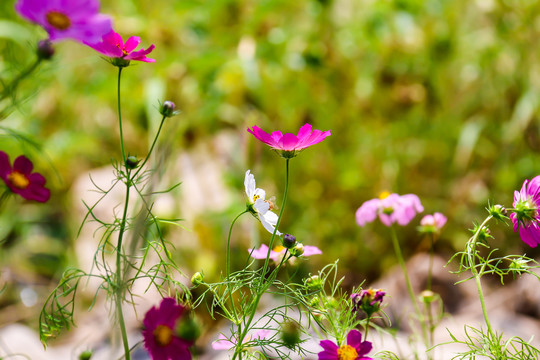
pixel 264 285
pixel 120 118
pixel 471 252
pixel 367 327
pixel 228 265
pixel 410 290
pixel 11 87
pixel 430 267
pixel 119 274
pixel 151 148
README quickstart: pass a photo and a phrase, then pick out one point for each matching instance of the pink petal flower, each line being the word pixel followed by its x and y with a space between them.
pixel 354 344
pixel 390 209
pixel 289 145
pixel 112 45
pixel 21 180
pixel 526 215
pixel 75 19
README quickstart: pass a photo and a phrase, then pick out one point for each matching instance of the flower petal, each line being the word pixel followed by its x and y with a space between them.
pixel 23 165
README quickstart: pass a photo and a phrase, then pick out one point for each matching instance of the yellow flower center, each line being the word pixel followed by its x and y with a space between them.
pixel 278 248
pixel 384 195
pixel 255 197
pixel 163 335
pixel 20 181
pixel 58 20
pixel 347 352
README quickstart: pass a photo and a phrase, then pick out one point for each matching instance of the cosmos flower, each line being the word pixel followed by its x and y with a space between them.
pixel 525 215
pixel 21 180
pixel 160 332
pixel 113 46
pixel 277 253
pixel 390 208
pixel 432 224
pixel 354 350
pixel 369 300
pixel 258 205
pixel 222 343
pixel 289 145
pixel 74 19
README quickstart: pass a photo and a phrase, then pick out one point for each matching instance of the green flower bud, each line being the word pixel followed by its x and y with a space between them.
pixel 197 279
pixel 188 328
pixel 85 355
pixel 297 250
pixel 427 296
pixel 313 283
pixel 167 109
pixel 288 241
pixel 290 334
pixel 132 162
pixel 45 50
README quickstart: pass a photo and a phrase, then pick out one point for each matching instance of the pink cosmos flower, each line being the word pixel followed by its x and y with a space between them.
pixel 369 300
pixel 160 338
pixel 21 180
pixel 390 208
pixel 354 350
pixel 289 145
pixel 432 223
pixel 222 343
pixel 525 216
pixel 113 46
pixel 277 253
pixel 62 19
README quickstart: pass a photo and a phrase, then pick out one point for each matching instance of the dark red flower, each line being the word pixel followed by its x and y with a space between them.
pixel 160 335
pixel 21 180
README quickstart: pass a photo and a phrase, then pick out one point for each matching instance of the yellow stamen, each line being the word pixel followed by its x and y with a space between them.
pixel 255 197
pixel 58 20
pixel 278 248
pixel 384 195
pixel 347 352
pixel 20 181
pixel 163 335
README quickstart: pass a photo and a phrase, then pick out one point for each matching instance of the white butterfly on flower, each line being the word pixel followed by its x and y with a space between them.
pixel 259 206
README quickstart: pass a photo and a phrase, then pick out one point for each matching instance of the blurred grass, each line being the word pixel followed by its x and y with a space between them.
pixel 437 98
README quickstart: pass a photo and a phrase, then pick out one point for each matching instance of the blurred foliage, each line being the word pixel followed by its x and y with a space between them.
pixel 437 98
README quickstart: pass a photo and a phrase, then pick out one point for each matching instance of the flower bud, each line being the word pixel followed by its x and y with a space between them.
pixel 427 296
pixel 197 279
pixel 188 328
pixel 297 250
pixel 132 162
pixel 369 301
pixel 119 62
pixel 85 355
pixel 289 241
pixel 498 212
pixel 167 109
pixel 290 334
pixel 313 283
pixel 45 50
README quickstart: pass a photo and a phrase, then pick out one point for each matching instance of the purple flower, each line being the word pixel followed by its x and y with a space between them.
pixel 525 216
pixel 368 301
pixel 160 336
pixel 432 223
pixel 354 350
pixel 62 19
pixel 21 180
pixel 113 46
pixel 390 208
pixel 289 145
pixel 277 253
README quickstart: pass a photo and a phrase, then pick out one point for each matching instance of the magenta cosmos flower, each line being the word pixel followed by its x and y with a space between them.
pixel 160 337
pixel 369 300
pixel 525 216
pixel 289 145
pixel 354 350
pixel 21 180
pixel 390 208
pixel 63 19
pixel 113 46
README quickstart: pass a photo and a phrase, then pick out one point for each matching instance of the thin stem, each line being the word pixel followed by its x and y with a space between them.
pixel 120 118
pixel 471 252
pixel 11 87
pixel 367 327
pixel 264 286
pixel 430 267
pixel 151 148
pixel 119 274
pixel 228 262
pixel 410 290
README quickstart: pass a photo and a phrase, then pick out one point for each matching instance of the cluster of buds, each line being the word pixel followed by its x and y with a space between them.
pixel 369 301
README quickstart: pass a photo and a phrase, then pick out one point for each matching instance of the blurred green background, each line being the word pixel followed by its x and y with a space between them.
pixel 437 98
